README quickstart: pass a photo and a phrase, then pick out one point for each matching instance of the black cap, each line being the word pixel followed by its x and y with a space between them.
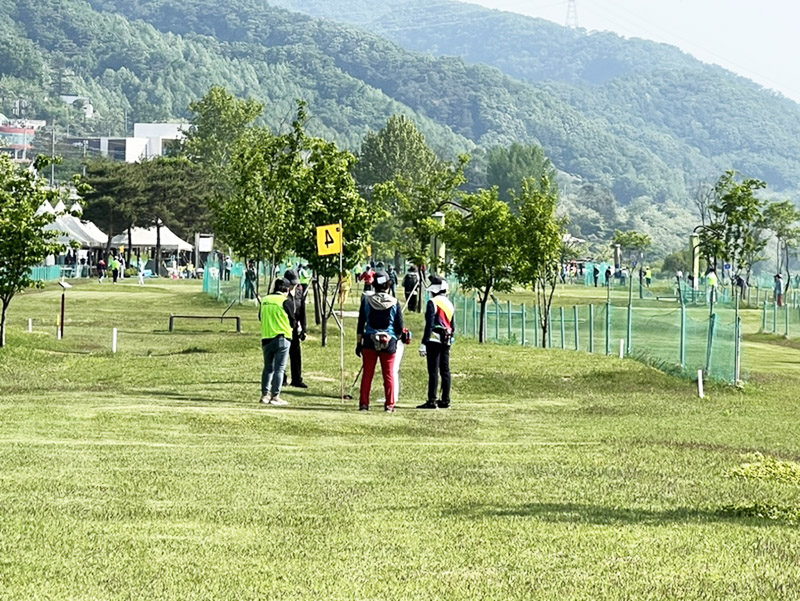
pixel 381 280
pixel 291 277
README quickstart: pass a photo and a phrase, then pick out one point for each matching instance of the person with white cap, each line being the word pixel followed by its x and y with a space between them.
pixel 436 342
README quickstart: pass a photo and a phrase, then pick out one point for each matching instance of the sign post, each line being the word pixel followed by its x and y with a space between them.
pixel 329 242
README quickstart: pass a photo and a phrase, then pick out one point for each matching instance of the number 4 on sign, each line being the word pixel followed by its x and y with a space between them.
pixel 329 239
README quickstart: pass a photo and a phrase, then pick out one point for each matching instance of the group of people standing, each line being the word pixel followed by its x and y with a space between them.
pixel 381 337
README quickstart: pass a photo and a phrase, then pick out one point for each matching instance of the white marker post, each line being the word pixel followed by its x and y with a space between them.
pixel 621 348
pixel 114 340
pixel 700 383
pixel 30 326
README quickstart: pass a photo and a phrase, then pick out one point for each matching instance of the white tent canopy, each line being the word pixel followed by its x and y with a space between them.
pixel 72 229
pixel 146 238
pixel 45 207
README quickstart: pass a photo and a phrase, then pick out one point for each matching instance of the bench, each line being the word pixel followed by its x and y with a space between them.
pixel 172 319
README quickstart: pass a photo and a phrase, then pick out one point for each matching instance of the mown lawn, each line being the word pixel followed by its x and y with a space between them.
pixel 154 474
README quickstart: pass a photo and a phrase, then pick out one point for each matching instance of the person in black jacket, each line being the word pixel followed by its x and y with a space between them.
pixel 411 288
pixel 299 330
pixel 380 326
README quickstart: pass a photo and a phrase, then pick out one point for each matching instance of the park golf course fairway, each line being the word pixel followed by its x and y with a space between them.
pixel 155 474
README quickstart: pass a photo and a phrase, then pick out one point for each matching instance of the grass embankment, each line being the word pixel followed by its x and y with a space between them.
pixel 154 474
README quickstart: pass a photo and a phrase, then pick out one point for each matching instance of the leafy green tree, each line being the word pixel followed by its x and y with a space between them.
pixel 782 218
pixel 173 194
pixel 539 238
pixel 329 195
pixel 733 232
pixel 507 167
pixel 416 203
pixel 398 150
pixel 23 241
pixel 218 122
pixel 269 176
pixel 633 245
pixel 112 195
pixel 481 239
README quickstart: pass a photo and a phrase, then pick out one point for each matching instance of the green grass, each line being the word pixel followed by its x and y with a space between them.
pixel 154 474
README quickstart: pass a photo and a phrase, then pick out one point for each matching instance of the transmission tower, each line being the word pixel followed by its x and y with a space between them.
pixel 572 14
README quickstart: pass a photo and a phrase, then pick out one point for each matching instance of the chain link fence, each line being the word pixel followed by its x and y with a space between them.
pixel 678 339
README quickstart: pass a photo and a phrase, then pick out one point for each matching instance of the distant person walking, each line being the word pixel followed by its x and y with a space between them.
pixel 711 282
pixel 778 289
pixel 436 342
pixel 411 288
pixel 596 275
pixel 277 323
pixel 368 277
pixel 140 271
pixel 114 266
pixel 250 277
pixel 101 271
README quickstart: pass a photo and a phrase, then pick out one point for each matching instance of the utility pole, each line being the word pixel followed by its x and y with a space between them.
pixel 572 14
pixel 53 158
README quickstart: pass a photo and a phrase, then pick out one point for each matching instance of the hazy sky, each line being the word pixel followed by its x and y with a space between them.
pixel 759 39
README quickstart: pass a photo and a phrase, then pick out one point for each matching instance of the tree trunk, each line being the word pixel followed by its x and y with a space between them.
pixel 315 290
pixel 421 292
pixel 398 260
pixel 158 247
pixel 324 311
pixel 128 250
pixel 788 272
pixel 3 323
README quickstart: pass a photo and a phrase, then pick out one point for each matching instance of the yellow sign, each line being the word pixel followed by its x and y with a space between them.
pixel 329 239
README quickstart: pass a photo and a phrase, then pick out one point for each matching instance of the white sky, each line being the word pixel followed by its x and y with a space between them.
pixel 759 39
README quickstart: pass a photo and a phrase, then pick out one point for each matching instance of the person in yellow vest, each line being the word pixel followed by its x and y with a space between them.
pixel 711 281
pixel 436 342
pixel 648 276
pixel 277 324
pixel 344 289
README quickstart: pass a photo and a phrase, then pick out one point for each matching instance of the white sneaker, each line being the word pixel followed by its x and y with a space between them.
pixel 277 400
pixel 265 399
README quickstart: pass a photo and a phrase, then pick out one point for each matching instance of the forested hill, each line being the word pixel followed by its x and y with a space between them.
pixel 151 58
pixel 147 59
pixel 692 115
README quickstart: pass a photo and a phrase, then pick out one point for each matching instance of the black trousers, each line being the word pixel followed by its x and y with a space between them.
pixel 412 301
pixel 438 363
pixel 296 360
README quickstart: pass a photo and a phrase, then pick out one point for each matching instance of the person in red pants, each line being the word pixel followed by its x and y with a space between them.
pixel 380 326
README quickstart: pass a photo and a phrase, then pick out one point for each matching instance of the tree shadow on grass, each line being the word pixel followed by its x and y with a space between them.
pixel 577 513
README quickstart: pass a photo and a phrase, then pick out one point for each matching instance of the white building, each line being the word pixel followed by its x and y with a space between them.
pixel 158 135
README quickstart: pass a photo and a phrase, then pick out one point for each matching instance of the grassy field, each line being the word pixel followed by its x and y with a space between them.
pixel 155 474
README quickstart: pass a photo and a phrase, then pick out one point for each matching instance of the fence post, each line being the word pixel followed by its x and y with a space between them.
pixel 774 317
pixel 523 324
pixel 737 348
pixel 591 328
pixel 466 304
pixel 630 330
pixel 786 319
pixel 508 306
pixel 496 321
pixel 608 328
pixel 683 337
pixel 561 314
pixel 537 324
pixel 764 318
pixel 575 319
pixel 549 328
pixel 712 326
pixel 474 317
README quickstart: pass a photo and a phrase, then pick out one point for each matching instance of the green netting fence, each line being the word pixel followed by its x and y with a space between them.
pixel 679 338
pixel 46 273
pixel 783 320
